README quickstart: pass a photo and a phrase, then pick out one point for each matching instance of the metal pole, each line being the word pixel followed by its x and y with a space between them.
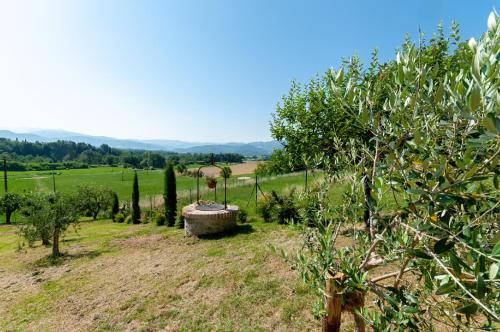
pixel 198 185
pixel 151 207
pixel 5 186
pixel 225 197
pixel 190 196
pixel 215 192
pixel 256 186
pixel 53 181
pixel 306 178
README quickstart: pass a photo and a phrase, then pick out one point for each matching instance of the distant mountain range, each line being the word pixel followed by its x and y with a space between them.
pixel 246 149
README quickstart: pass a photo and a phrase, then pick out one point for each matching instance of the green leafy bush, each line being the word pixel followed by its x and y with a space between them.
pixel 242 216
pixel 180 222
pixel 285 208
pixel 119 218
pixel 281 208
pixel 160 219
pixel 265 208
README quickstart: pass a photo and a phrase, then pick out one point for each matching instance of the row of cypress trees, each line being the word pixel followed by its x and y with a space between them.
pixel 169 197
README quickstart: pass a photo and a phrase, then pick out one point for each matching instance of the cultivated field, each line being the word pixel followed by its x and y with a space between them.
pixel 151 184
pixel 238 169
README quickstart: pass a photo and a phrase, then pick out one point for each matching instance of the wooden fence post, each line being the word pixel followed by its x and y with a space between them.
pixel 333 304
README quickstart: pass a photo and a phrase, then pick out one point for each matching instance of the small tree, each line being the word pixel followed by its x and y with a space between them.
pixel 181 168
pixel 9 204
pixel 226 172
pixel 115 206
pixel 36 213
pixel 94 199
pixel 433 145
pixel 136 210
pixel 49 214
pixel 170 195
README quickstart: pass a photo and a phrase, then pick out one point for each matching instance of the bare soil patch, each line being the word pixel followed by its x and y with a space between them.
pixel 247 167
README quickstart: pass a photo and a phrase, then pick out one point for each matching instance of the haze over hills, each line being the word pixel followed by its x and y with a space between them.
pixel 46 135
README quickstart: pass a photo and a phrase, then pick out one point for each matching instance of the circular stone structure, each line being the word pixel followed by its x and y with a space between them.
pixel 204 219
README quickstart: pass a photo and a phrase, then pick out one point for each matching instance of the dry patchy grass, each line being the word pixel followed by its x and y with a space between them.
pixel 143 277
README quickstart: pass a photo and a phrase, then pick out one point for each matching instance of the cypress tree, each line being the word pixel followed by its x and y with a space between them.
pixel 115 207
pixel 136 210
pixel 170 195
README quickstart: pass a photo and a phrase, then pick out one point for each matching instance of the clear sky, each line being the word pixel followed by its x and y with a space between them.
pixel 193 70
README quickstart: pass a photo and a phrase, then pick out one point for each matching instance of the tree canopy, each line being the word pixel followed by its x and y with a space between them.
pixel 423 132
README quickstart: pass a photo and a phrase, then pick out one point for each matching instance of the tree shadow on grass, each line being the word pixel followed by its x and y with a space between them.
pixel 239 229
pixel 66 257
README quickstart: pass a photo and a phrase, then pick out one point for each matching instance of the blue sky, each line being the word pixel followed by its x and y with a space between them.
pixel 190 70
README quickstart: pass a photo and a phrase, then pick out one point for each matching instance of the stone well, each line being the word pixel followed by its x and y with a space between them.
pixel 204 219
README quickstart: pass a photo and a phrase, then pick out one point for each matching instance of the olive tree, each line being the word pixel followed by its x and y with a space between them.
pixel 94 199
pixel 48 215
pixel 9 204
pixel 431 160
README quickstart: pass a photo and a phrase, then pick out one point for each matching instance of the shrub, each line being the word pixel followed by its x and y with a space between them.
pixel 128 219
pixel 146 217
pixel 265 208
pixel 285 207
pixel 125 209
pixel 160 219
pixel 180 222
pixel 119 218
pixel 242 216
pixel 282 208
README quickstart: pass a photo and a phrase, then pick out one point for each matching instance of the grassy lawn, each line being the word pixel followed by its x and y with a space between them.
pixel 144 277
pixel 151 185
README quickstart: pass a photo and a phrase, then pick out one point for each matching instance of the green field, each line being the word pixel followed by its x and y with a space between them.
pixel 151 184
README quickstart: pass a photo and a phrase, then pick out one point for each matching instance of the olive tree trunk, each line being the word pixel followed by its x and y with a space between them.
pixel 333 306
pixel 8 214
pixel 55 243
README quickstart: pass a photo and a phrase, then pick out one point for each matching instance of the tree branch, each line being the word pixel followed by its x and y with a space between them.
pixel 457 281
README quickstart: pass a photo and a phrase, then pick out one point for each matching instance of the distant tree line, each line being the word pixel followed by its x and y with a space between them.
pixel 23 156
